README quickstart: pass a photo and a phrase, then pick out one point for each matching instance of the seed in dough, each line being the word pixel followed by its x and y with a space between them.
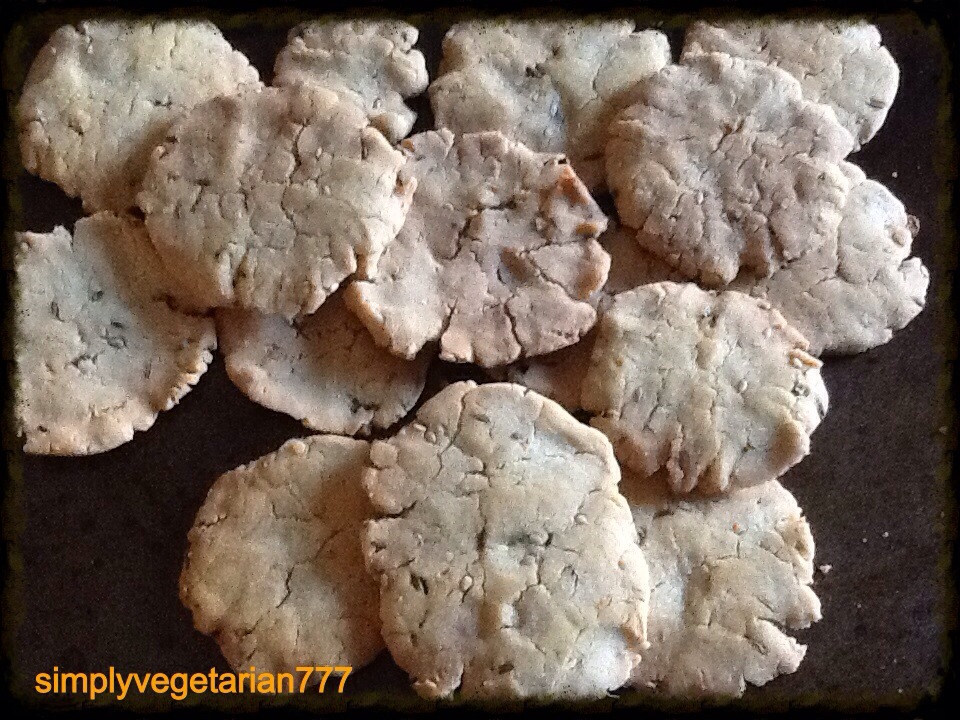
pixel 323 369
pixel 559 375
pixel 723 166
pixel 729 577
pixel 269 199
pixel 507 558
pixel 715 390
pixel 855 291
pixel 497 259
pixel 552 85
pixel 274 570
pixel 100 96
pixel 369 62
pixel 840 63
pixel 99 350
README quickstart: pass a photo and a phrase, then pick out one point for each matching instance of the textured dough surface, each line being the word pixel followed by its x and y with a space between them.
pixel 552 85
pixel 854 292
pixel 508 559
pixel 722 165
pixel 715 390
pixel 840 63
pixel 269 199
pixel 497 259
pixel 323 369
pixel 99 350
pixel 559 375
pixel 100 96
pixel 729 577
pixel 369 62
pixel 274 570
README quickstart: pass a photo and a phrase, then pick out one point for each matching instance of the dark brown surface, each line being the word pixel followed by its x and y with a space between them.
pixel 100 539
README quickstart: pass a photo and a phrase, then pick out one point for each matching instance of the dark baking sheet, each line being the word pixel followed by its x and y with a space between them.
pixel 98 541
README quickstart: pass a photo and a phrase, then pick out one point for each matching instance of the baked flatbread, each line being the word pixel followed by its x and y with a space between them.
pixel 507 558
pixel 559 375
pixel 497 259
pixel 729 578
pixel 323 369
pixel 714 390
pixel 840 63
pixel 723 166
pixel 99 349
pixel 269 199
pixel 102 94
pixel 274 570
pixel 369 62
pixel 552 85
pixel 855 291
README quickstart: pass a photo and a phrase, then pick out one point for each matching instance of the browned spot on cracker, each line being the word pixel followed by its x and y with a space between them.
pixel 573 190
pixel 590 229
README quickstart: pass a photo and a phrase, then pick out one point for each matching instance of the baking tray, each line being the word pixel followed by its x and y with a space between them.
pixel 98 541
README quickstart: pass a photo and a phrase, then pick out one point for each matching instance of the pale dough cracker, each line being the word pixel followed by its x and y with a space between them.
pixel 323 369
pixel 722 165
pixel 630 265
pixel 269 199
pixel 274 570
pixel 497 259
pixel 552 85
pixel 729 578
pixel 715 389
pixel 508 560
pixel 99 350
pixel 100 96
pixel 840 63
pixel 559 375
pixel 369 62
pixel 853 293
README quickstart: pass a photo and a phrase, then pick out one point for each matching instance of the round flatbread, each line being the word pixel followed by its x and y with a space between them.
pixel 370 62
pixel 100 96
pixel 497 259
pixel 507 558
pixel 729 577
pixel 559 375
pixel 552 85
pixel 274 570
pixel 323 369
pixel 99 350
pixel 840 63
pixel 723 166
pixel 855 291
pixel 714 390
pixel 269 199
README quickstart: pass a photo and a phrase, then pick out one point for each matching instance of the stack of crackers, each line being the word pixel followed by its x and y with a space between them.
pixel 647 258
